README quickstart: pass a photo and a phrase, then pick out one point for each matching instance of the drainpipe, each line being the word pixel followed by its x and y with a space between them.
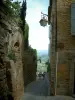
pixel 56 48
pixel 56 72
pixel 56 26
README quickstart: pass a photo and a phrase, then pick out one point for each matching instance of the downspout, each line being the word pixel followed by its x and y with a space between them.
pixel 56 49
pixel 56 72
pixel 56 26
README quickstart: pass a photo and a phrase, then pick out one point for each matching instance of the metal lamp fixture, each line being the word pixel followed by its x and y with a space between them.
pixel 43 22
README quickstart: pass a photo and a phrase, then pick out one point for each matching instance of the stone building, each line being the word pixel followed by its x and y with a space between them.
pixel 11 52
pixel 62 46
pixel 29 66
pixel 12 55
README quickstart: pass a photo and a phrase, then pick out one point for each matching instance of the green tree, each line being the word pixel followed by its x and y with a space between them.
pixel 26 31
pixel 13 7
pixel 48 66
pixel 23 15
pixel 35 51
pixel 16 10
pixel 16 7
pixel 35 54
pixel 26 35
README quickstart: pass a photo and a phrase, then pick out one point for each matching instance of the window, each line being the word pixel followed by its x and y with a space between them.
pixel 73 19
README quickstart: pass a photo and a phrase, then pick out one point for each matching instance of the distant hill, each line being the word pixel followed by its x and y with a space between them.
pixel 42 52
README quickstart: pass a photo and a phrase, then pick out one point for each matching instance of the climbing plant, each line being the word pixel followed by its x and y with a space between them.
pixel 25 26
pixel 13 7
pixel 11 55
pixel 26 35
pixel 23 15
pixel 17 10
pixel 35 51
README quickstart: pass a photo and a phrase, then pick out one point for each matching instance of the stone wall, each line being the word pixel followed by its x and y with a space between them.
pixel 11 52
pixel 53 48
pixel 63 59
pixel 66 49
pixel 15 50
pixel 29 66
pixel 18 65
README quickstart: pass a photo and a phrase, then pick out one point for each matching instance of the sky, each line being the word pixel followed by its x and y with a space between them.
pixel 38 35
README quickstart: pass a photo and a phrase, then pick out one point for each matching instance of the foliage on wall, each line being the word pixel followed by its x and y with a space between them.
pixel 11 55
pixel 13 7
pixel 35 51
pixel 26 35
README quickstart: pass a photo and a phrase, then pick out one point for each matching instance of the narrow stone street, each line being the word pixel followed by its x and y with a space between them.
pixel 33 97
pixel 39 87
pixel 38 90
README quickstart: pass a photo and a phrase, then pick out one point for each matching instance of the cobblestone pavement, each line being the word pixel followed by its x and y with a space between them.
pixel 39 87
pixel 32 97
pixel 38 90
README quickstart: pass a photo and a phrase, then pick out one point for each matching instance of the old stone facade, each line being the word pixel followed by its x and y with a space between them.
pixel 18 65
pixel 29 66
pixel 62 52
pixel 11 49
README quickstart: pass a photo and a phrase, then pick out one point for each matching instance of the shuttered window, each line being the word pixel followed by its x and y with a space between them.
pixel 73 19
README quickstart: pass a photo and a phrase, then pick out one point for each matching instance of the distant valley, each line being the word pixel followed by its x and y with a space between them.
pixel 43 54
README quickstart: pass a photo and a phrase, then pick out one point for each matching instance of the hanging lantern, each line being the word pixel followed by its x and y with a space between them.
pixel 43 21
